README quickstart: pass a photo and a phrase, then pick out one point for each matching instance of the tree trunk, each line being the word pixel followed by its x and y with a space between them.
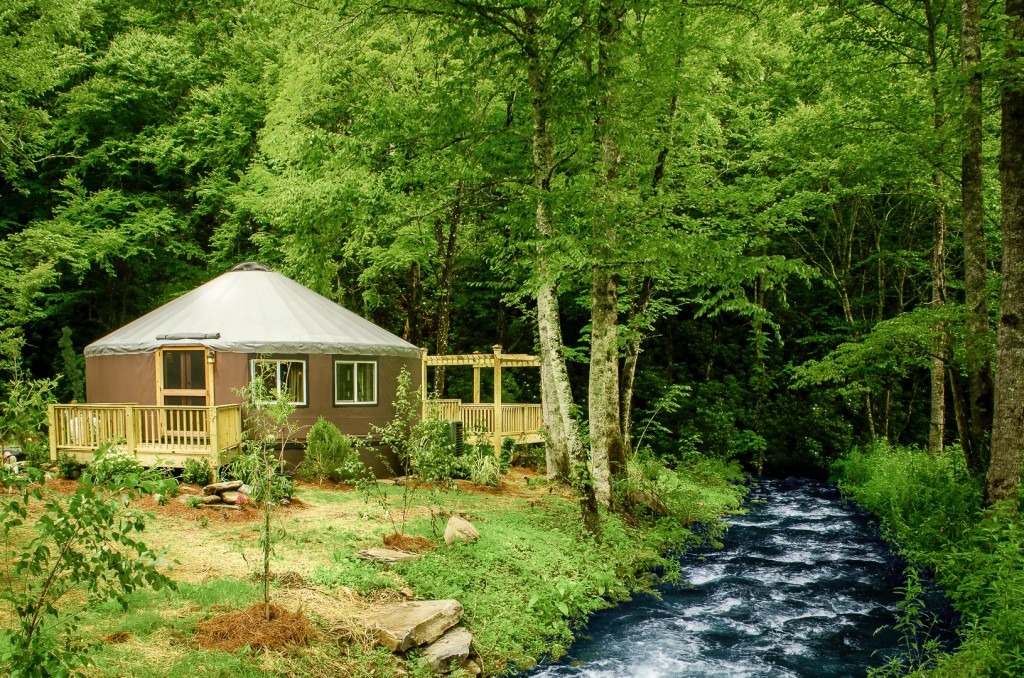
pixel 979 383
pixel 937 421
pixel 632 353
pixel 959 406
pixel 555 452
pixel 605 427
pixel 446 242
pixel 548 317
pixel 606 446
pixel 1003 476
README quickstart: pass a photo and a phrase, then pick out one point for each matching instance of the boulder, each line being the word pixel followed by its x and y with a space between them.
pixel 450 651
pixel 471 667
pixel 459 529
pixel 386 555
pixel 209 499
pixel 230 496
pixel 217 488
pixel 411 624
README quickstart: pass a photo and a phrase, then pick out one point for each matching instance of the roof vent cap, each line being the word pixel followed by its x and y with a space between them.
pixel 251 266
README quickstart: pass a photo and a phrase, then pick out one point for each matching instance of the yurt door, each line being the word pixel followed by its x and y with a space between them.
pixel 183 387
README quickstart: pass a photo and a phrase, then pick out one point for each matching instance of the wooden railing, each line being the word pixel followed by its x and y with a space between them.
pixel 158 435
pixel 521 421
pixel 87 426
pixel 442 409
pixel 477 418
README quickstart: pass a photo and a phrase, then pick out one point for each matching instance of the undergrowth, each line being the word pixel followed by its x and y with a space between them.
pixel 931 509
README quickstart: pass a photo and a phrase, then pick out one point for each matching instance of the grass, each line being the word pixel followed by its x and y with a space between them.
pixel 931 508
pixel 528 585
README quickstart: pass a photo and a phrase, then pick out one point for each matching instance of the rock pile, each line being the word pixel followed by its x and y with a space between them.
pixel 431 625
pixel 227 494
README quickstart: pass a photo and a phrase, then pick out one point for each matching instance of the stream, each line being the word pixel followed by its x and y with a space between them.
pixel 800 588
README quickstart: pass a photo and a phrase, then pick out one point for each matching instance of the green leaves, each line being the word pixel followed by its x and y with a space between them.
pixel 85 541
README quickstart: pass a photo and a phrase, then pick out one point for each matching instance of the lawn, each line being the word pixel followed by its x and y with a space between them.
pixel 527 585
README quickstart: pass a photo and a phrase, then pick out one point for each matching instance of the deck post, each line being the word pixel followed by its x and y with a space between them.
pixel 214 416
pixel 51 413
pixel 497 400
pixel 423 378
pixel 130 440
pixel 476 384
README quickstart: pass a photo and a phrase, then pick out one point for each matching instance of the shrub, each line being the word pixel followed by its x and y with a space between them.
pixel 483 470
pixel 432 452
pixel 193 502
pixel 196 472
pixel 68 467
pixel 111 462
pixel 85 543
pixel 330 455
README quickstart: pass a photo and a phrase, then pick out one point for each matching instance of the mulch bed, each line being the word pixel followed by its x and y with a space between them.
pixel 174 508
pixel 405 542
pixel 249 627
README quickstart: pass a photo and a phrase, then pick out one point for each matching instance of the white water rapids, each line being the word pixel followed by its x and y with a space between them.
pixel 800 589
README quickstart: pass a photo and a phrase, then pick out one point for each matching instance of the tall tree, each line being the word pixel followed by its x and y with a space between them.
pixel 1004 470
pixel 975 259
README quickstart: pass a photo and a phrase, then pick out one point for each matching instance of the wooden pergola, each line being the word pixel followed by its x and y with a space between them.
pixel 498 420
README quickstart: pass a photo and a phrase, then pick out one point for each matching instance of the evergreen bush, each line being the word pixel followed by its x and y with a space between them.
pixel 330 455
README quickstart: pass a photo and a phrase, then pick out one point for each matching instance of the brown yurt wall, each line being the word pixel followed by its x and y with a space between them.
pixel 129 378
pixel 230 373
pixel 352 419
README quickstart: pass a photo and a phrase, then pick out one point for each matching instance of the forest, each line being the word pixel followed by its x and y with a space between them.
pixel 763 232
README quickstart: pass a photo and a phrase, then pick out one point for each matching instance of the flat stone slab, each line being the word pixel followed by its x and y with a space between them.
pixel 403 625
pixel 216 488
pixel 450 651
pixel 386 555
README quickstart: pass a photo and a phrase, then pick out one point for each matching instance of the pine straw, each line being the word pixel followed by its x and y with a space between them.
pixel 405 542
pixel 248 628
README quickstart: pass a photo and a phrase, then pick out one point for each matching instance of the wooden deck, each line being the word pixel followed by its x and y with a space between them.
pixel 483 422
pixel 521 422
pixel 157 436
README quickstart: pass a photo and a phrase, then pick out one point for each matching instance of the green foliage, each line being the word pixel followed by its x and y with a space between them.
pixel 932 510
pixel 68 467
pixel 356 574
pixel 23 415
pixel 684 492
pixel 484 470
pixel 193 502
pixel 330 455
pixel 84 542
pixel 196 472
pixel 432 452
pixel 112 462
pixel 72 366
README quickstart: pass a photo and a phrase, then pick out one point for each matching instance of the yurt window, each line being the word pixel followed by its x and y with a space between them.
pixel 284 375
pixel 355 382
